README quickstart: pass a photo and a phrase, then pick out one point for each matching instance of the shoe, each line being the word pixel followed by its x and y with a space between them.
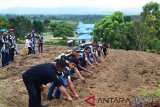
pixel 50 98
pixel 43 106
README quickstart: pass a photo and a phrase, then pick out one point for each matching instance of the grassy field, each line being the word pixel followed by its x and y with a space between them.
pixel 48 36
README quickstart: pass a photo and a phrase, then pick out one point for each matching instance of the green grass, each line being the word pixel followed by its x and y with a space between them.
pixel 155 92
pixel 58 43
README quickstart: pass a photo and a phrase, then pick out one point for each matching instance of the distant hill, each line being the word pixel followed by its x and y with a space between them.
pixel 66 10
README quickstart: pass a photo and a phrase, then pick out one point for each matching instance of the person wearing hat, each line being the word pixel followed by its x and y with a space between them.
pixel 5 50
pixel 11 39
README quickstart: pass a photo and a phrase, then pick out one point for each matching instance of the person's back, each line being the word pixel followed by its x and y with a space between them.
pixel 41 74
pixel 40 38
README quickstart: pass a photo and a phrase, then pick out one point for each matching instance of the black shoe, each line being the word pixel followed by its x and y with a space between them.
pixel 50 98
pixel 43 106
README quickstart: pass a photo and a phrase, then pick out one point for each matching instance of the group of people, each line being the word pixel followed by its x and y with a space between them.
pixel 31 40
pixel 8 46
pixel 60 72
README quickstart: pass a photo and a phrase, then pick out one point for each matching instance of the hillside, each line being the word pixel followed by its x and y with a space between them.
pixel 124 75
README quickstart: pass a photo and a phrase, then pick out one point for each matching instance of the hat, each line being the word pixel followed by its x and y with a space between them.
pixel 4 33
pixel 77 49
pixel 4 30
pixel 11 30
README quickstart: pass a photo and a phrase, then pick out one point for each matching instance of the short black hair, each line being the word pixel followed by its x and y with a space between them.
pixel 61 63
pixel 74 60
pixel 86 48
pixel 95 41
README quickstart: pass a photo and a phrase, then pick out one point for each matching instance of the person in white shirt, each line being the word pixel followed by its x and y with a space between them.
pixel 28 44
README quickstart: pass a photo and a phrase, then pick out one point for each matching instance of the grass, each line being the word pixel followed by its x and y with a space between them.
pixel 155 92
pixel 59 43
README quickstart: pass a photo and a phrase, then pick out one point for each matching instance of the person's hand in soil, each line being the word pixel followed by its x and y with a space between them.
pixel 70 99
pixel 76 96
pixel 91 72
pixel 83 80
pixel 93 67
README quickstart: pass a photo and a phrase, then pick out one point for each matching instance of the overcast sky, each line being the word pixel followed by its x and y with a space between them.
pixel 101 4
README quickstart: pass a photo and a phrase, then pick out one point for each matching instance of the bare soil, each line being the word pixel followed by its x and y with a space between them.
pixel 123 75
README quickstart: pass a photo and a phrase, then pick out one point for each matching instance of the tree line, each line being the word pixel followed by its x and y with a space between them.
pixel 22 26
pixel 140 33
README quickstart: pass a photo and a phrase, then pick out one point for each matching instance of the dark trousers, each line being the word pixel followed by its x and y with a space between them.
pixel 11 54
pixel 29 50
pixel 33 49
pixel 83 62
pixel 34 93
pixel 5 58
pixel 40 47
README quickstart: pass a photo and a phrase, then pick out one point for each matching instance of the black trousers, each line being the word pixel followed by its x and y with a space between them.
pixel 11 54
pixel 29 50
pixel 33 91
pixel 40 47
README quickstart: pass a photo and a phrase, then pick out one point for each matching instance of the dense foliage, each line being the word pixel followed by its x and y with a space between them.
pixel 142 33
pixel 21 26
pixel 62 29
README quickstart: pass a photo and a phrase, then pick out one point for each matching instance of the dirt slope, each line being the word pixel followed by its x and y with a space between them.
pixel 124 74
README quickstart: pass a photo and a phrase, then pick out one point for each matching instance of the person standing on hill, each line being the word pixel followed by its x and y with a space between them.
pixel 41 74
pixel 28 44
pixel 11 39
pixel 33 39
pixel 1 46
pixel 5 50
pixel 40 43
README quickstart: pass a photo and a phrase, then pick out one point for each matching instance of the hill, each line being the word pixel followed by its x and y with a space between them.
pixel 125 74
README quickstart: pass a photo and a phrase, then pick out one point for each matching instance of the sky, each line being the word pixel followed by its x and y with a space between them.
pixel 72 6
pixel 101 4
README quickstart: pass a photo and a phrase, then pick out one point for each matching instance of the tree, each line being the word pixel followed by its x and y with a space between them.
pixel 38 26
pixel 140 33
pixel 61 29
pixel 46 24
pixel 151 17
pixel 4 23
pixel 112 29
pixel 22 26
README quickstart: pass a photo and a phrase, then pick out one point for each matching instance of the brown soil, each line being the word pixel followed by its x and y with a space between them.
pixel 124 74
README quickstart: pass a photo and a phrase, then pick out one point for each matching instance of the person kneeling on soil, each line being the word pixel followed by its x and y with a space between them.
pixel 66 79
pixel 41 74
pixel 76 53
